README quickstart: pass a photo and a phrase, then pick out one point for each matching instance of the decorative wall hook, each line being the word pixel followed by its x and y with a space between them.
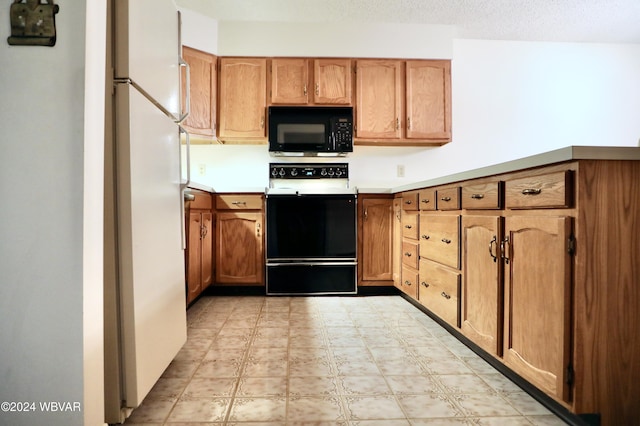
pixel 33 23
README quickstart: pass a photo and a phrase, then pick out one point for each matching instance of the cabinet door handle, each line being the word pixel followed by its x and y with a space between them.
pixel 445 295
pixel 397 123
pixel 262 122
pixel 317 89
pixel 477 196
pixel 258 230
pixel 304 90
pixel 425 237
pixel 408 123
pixel 407 254
pixel 425 284
pixel 503 243
pixel 446 198
pixel 366 214
pixel 446 241
pixel 531 191
pixel 408 226
pixel 491 243
pixel 407 282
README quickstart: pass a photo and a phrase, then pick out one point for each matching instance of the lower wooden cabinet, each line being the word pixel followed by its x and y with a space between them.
pixel 439 291
pixel 239 239
pixel 199 253
pixel 538 301
pixel 481 303
pixel 375 257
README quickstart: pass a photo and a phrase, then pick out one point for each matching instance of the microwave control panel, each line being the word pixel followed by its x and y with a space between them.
pixel 342 129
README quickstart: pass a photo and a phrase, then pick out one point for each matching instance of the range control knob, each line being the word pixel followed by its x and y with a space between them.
pixel 323 172
pixel 331 172
pixel 274 172
pixel 294 172
pixel 282 173
pixel 338 172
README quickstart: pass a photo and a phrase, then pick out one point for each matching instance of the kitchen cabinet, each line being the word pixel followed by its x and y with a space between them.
pixel 243 99
pixel 239 239
pixel 549 267
pixel 410 247
pixel 304 81
pixel 402 102
pixel 332 81
pixel 482 291
pixel 378 99
pixel 397 241
pixel 203 92
pixel 199 252
pixel 537 301
pixel 376 240
pixel 428 100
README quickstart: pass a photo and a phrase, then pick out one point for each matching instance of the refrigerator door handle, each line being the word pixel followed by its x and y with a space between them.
pixel 187 99
pixel 185 184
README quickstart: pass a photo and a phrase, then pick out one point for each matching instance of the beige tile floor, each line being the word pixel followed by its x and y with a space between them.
pixel 375 360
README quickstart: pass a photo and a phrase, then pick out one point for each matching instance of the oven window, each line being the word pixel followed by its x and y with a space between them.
pixel 311 227
pixel 301 133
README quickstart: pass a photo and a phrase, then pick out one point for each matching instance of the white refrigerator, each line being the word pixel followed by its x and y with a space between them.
pixel 145 310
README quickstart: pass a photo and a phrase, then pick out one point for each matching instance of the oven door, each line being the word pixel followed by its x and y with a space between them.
pixel 311 244
pixel 311 227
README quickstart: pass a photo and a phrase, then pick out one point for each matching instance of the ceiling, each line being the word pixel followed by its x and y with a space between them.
pixel 595 21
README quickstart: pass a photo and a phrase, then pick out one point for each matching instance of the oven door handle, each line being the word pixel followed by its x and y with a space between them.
pixel 350 263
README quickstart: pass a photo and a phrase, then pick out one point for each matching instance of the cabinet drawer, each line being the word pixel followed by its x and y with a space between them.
pixel 448 199
pixel 410 254
pixel 409 281
pixel 427 199
pixel 440 239
pixel 239 202
pixel 439 291
pixel 551 190
pixel 410 201
pixel 482 196
pixel 410 225
pixel 202 200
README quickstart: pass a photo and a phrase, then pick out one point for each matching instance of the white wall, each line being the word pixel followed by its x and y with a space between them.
pixel 42 239
pixel 199 32
pixel 514 99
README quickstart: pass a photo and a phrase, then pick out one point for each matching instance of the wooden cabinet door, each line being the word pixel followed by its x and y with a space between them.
pixel 397 241
pixel 289 80
pixel 379 99
pixel 377 235
pixel 482 293
pixel 194 254
pixel 243 97
pixel 332 81
pixel 239 247
pixel 207 250
pixel 203 83
pixel 428 100
pixel 538 301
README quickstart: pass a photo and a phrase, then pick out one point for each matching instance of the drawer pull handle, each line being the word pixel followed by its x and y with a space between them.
pixel 426 201
pixel 425 284
pixel 407 202
pixel 446 198
pixel 425 237
pixel 445 295
pixel 407 254
pixel 408 226
pixel 407 282
pixel 531 191
pixel 446 241
pixel 239 203
pixel 477 196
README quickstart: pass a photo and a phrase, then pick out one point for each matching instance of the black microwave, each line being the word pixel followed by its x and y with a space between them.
pixel 310 130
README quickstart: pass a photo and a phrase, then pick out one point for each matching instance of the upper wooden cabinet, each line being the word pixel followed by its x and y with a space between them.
pixel 428 101
pixel 302 81
pixel 403 102
pixel 202 88
pixel 379 99
pixel 243 98
pixel 290 81
pixel 332 81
